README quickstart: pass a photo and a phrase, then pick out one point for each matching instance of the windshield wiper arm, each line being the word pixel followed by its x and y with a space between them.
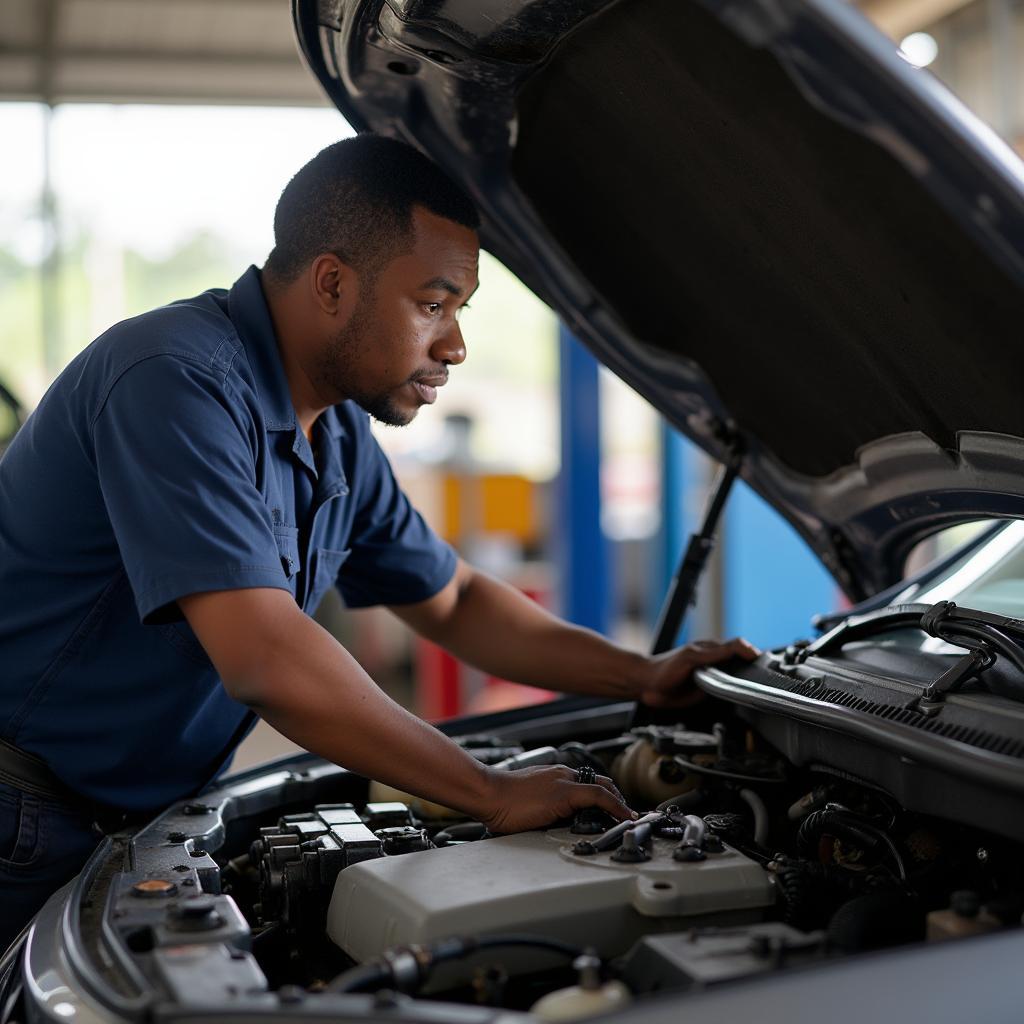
pixel 941 620
pixel 983 635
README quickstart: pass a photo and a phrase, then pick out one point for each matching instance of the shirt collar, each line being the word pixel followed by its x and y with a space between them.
pixel 248 310
pixel 247 307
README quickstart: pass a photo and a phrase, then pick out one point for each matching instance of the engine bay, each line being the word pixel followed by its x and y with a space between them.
pixel 740 863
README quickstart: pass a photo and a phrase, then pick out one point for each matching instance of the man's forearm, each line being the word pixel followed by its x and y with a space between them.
pixel 328 704
pixel 496 628
pixel 301 680
pixel 305 684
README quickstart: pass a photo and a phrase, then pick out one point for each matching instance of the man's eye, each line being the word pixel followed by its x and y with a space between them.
pixel 461 310
pixel 433 308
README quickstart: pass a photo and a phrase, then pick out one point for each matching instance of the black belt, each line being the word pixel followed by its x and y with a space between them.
pixel 33 775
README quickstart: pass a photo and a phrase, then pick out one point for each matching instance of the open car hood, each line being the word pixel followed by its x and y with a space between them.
pixel 802 250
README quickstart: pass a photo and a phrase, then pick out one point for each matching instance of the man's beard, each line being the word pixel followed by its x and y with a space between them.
pixel 333 368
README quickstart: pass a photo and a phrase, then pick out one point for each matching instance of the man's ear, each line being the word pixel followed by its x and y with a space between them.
pixel 334 284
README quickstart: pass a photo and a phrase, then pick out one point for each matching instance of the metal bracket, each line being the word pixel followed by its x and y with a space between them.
pixel 976 660
pixel 683 591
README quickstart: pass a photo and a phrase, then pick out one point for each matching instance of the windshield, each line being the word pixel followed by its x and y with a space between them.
pixel 990 578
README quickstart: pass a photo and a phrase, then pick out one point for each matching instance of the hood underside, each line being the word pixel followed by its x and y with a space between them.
pixel 801 250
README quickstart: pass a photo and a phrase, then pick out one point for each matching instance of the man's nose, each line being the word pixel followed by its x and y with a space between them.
pixel 449 347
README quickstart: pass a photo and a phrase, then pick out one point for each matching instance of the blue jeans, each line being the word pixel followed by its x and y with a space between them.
pixel 43 844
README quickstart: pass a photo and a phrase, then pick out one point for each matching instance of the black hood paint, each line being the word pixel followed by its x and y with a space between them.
pixel 757 214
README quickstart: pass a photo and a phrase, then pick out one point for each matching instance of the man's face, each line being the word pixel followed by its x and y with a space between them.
pixel 395 349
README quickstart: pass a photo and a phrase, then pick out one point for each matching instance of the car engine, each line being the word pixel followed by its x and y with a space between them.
pixel 302 888
pixel 740 863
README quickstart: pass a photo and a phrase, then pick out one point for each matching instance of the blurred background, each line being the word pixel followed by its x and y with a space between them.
pixel 145 143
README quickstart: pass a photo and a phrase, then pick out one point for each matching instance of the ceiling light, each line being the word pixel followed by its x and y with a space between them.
pixel 920 49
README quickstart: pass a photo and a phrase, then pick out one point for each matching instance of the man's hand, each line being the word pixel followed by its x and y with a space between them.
pixel 534 797
pixel 667 680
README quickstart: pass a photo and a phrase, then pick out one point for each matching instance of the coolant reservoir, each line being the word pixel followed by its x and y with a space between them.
pixel 648 772
pixel 587 999
pixel 965 916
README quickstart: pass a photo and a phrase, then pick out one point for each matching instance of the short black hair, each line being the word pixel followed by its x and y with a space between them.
pixel 355 199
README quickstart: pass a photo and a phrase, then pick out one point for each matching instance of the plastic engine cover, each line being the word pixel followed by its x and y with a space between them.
pixel 532 882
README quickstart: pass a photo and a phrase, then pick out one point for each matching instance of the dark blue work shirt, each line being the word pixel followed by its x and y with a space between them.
pixel 167 460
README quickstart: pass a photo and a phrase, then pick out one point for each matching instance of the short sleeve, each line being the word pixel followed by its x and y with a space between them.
pixel 175 458
pixel 396 558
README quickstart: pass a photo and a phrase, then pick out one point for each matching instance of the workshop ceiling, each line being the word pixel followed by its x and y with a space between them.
pixel 205 51
pixel 152 51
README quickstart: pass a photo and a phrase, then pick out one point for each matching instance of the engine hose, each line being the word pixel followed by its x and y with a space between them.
pixel 460 832
pixel 685 802
pixel 845 825
pixel 364 978
pixel 535 941
pixel 610 747
pixel 407 968
pixel 579 752
pixel 720 773
pixel 812 892
pixel 760 812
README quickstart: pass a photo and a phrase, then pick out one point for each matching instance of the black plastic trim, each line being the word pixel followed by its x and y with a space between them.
pixel 949 756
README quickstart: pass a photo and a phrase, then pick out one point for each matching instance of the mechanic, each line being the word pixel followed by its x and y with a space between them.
pixel 196 479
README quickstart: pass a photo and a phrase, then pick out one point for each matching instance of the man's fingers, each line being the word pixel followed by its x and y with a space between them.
pixel 585 795
pixel 707 652
pixel 744 648
pixel 599 780
pixel 603 780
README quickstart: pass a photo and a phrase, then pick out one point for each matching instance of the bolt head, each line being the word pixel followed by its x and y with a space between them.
pixel 154 888
pixel 196 906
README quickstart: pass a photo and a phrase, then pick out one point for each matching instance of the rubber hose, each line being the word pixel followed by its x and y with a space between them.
pixel 812 892
pixel 378 974
pixel 687 801
pixel 579 752
pixel 364 978
pixel 462 831
pixel 837 823
pixel 760 811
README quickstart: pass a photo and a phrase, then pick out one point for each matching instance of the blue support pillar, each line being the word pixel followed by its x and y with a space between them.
pixel 772 583
pixel 675 525
pixel 582 552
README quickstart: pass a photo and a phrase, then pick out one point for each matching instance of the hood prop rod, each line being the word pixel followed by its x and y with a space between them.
pixel 683 591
